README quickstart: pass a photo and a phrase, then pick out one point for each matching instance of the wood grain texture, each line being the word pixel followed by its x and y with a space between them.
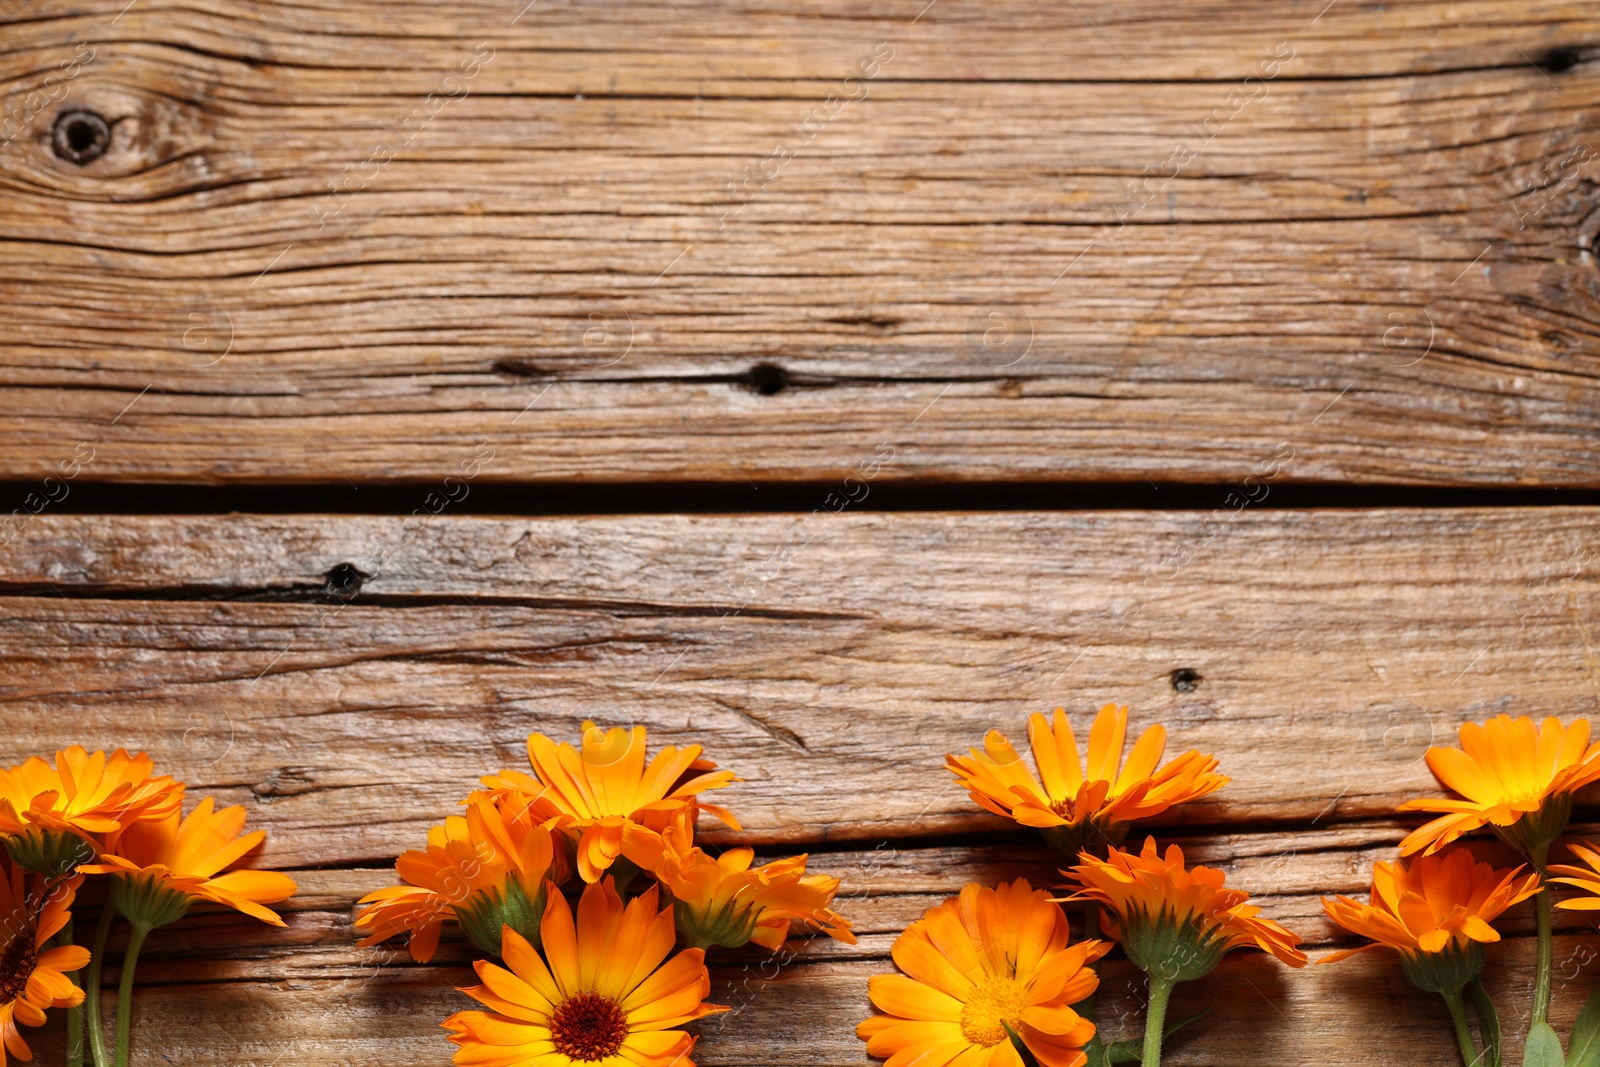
pixel 385 244
pixel 306 996
pixel 319 250
pixel 816 657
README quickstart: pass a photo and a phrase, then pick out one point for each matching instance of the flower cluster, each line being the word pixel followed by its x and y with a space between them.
pixel 94 814
pixel 615 831
pixel 1516 778
pixel 990 977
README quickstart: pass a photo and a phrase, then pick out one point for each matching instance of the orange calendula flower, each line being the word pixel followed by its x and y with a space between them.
pixel 1586 878
pixel 723 901
pixel 605 997
pixel 486 870
pixel 54 818
pixel 160 867
pixel 1512 776
pixel 33 977
pixel 1435 911
pixel 983 971
pixel 607 799
pixel 1176 923
pixel 1082 805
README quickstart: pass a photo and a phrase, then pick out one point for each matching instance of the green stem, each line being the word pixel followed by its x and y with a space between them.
pixel 1470 1056
pixel 74 1014
pixel 130 959
pixel 1541 982
pixel 1488 1023
pixel 97 959
pixel 1155 1019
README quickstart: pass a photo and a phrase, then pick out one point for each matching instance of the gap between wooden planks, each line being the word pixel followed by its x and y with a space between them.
pixel 1383 259
pixel 305 995
pixel 830 661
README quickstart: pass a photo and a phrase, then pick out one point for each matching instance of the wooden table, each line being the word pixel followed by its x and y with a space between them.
pixel 823 382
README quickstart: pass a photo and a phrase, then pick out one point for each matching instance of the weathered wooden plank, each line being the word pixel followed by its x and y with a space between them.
pixel 306 995
pixel 830 661
pixel 552 268
pixel 1362 1011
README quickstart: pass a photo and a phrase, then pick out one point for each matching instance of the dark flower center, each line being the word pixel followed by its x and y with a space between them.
pixel 588 1027
pixel 16 966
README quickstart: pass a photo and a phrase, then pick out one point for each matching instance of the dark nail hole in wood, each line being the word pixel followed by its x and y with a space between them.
pixel 1562 59
pixel 881 323
pixel 522 368
pixel 345 581
pixel 1186 680
pixel 767 379
pixel 81 137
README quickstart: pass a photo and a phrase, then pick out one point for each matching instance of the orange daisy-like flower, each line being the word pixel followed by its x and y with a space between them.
pixel 54 818
pixel 485 869
pixel 607 799
pixel 605 996
pixel 724 901
pixel 1083 805
pixel 1586 878
pixel 1434 911
pixel 32 977
pixel 984 970
pixel 1512 776
pixel 1423 906
pixel 1175 923
pixel 160 867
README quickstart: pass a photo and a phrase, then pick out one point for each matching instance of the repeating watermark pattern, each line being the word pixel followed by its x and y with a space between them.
pixel 1402 732
pixel 357 176
pixel 605 335
pixel 1253 89
pixel 52 490
pixel 1547 183
pixel 1542 594
pixel 54 89
pixel 745 987
pixel 853 89
pixel 202 336
pixel 1254 489
pixel 454 489
pixel 1000 336
pixel 852 490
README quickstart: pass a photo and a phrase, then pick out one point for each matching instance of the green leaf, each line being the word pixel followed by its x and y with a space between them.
pixel 1583 1046
pixel 1124 1052
pixel 1543 1048
pixel 1488 1024
pixel 1174 1025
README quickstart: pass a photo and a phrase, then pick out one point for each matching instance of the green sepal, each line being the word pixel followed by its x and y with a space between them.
pixel 1543 1048
pixel 729 926
pixel 1445 972
pixel 485 914
pixel 54 852
pixel 1538 829
pixel 1583 1044
pixel 146 902
pixel 1164 947
pixel 623 873
pixel 1131 1050
pixel 1089 835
